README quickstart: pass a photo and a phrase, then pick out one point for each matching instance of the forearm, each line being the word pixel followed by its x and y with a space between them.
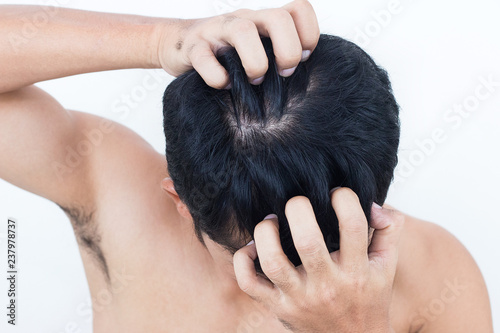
pixel 41 43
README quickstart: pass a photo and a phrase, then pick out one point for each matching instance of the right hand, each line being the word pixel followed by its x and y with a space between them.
pixel 349 290
pixel 293 29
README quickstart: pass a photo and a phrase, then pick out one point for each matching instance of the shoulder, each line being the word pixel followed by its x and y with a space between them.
pixel 61 154
pixel 121 162
pixel 441 281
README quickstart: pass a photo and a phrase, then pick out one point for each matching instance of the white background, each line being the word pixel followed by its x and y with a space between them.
pixel 436 53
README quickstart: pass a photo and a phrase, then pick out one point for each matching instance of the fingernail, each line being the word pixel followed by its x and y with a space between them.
pixel 376 205
pixel 334 189
pixel 257 81
pixel 287 72
pixel 270 217
pixel 251 242
pixel 228 86
pixel 305 55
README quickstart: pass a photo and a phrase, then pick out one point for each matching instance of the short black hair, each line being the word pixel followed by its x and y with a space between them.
pixel 240 154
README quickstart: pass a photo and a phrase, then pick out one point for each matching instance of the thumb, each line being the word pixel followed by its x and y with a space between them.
pixel 388 225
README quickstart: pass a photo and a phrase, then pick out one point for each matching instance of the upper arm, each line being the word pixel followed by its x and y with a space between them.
pixel 44 149
pixel 455 298
pixel 72 158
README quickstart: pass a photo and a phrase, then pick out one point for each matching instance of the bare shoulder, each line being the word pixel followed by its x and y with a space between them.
pixel 67 156
pixel 441 281
pixel 122 163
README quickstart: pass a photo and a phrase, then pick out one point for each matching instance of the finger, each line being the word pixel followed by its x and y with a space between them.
pixel 248 280
pixel 278 24
pixel 307 237
pixel 273 260
pixel 243 35
pixel 206 64
pixel 388 225
pixel 306 24
pixel 353 229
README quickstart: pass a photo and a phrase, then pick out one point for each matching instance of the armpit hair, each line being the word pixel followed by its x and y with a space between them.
pixel 87 234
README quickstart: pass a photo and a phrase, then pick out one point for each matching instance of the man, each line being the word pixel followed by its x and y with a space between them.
pixel 121 217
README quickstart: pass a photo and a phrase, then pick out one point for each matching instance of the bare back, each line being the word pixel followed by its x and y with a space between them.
pixel 168 272
pixel 146 269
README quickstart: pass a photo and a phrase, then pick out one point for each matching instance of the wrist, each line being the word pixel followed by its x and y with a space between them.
pixel 153 37
pixel 162 40
pixel 168 40
pixel 145 38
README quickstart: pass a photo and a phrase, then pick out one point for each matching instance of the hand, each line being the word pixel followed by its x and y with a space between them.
pixel 293 30
pixel 348 290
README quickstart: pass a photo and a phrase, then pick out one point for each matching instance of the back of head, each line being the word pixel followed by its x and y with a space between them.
pixel 238 155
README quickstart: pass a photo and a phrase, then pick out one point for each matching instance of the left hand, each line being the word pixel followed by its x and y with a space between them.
pixel 348 290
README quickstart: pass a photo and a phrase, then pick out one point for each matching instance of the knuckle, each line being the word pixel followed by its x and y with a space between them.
pixel 290 57
pixel 225 19
pixel 308 245
pixel 357 282
pixel 190 49
pixel 245 284
pixel 271 266
pixel 289 60
pixel 328 295
pixel 242 27
pixel 354 270
pixel 256 69
pixel 302 5
pixel 319 265
pixel 310 39
pixel 286 285
pixel 279 14
pixel 243 12
pixel 354 228
pixel 198 52
pixel 207 22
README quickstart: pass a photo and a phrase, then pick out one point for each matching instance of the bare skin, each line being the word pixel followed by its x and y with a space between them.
pixel 136 238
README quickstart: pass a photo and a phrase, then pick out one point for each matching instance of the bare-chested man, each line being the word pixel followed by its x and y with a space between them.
pixel 126 212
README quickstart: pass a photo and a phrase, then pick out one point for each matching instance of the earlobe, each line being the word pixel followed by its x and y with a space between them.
pixel 183 210
pixel 168 186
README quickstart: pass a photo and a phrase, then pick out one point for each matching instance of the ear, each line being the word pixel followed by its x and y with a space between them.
pixel 168 186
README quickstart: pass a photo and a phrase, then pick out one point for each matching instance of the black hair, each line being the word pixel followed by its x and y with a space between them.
pixel 240 154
